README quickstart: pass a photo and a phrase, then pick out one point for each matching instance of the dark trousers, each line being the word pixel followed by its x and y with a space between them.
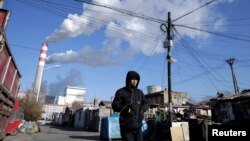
pixel 133 135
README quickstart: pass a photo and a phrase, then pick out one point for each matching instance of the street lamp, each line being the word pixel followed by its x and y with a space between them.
pixel 43 96
pixel 55 66
pixel 39 83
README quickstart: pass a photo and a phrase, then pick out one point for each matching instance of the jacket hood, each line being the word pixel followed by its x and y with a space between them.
pixel 130 76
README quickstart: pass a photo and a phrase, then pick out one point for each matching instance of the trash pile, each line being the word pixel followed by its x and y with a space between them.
pixel 29 127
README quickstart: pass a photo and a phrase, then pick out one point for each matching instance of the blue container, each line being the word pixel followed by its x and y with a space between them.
pixel 144 129
pixel 110 128
pixel 115 115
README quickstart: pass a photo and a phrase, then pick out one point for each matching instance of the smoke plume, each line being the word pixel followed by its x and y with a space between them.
pixel 142 36
pixel 74 78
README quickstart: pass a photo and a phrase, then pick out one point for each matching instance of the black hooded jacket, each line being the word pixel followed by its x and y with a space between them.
pixel 130 103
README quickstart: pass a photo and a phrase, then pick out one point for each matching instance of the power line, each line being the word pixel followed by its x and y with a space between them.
pixel 214 33
pixel 58 11
pixel 239 19
pixel 130 13
pixel 193 10
pixel 201 62
pixel 115 31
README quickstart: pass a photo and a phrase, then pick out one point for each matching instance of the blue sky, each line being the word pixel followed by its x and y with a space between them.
pixel 96 46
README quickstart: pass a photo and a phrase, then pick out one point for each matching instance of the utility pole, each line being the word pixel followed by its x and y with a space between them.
pixel 168 43
pixel 231 62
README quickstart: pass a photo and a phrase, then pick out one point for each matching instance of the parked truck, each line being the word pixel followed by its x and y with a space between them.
pixel 9 77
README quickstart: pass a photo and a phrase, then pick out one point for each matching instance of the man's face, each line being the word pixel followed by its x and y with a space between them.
pixel 133 82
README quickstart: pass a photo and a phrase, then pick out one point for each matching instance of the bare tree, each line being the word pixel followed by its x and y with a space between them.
pixel 32 109
pixel 77 105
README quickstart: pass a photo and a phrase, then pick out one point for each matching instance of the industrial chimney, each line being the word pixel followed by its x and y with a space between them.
pixel 40 68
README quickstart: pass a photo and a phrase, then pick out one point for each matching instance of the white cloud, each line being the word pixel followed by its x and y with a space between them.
pixel 108 55
pixel 143 36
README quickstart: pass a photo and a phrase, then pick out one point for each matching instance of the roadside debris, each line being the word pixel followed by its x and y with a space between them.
pixel 29 127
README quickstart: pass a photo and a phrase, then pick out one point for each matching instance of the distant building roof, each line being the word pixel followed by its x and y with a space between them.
pixel 53 105
pixel 245 91
pixel 105 103
pixel 155 93
pixel 72 87
pixel 234 97
pixel 181 106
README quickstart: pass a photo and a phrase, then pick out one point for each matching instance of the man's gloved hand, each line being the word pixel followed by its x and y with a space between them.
pixel 130 108
pixel 129 102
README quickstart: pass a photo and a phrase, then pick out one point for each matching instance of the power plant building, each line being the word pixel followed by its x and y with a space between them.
pixel 71 94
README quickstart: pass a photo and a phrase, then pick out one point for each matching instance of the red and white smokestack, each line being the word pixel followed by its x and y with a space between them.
pixel 40 68
pixel 43 54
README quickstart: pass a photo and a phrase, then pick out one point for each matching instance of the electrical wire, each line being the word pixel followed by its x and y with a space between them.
pixel 152 20
pixel 142 36
pixel 214 33
pixel 130 13
pixel 192 52
pixel 194 10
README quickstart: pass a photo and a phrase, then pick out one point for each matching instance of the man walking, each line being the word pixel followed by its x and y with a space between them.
pixel 131 103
